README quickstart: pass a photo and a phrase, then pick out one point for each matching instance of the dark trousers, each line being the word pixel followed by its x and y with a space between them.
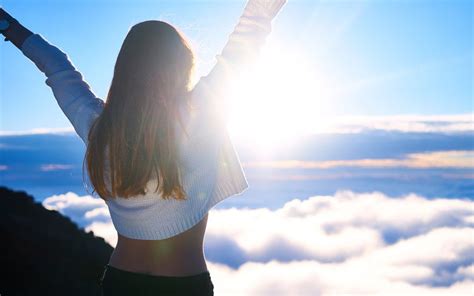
pixel 118 282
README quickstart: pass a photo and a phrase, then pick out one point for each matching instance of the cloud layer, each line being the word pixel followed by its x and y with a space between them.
pixel 348 243
pixel 39 131
pixel 431 164
pixel 405 123
pixel 438 159
pixel 348 124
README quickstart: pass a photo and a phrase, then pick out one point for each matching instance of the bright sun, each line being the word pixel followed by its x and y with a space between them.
pixel 279 101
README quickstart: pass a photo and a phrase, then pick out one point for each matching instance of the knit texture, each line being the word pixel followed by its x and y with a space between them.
pixel 211 167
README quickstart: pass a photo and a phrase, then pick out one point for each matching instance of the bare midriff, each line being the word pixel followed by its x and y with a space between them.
pixel 181 255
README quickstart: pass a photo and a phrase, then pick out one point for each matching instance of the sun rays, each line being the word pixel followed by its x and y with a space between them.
pixel 278 100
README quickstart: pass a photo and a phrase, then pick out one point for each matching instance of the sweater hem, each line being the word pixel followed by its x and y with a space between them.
pixel 148 229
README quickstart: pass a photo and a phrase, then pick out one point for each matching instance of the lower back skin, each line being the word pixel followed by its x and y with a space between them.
pixel 180 255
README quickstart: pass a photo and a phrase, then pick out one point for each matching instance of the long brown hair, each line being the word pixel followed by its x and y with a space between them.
pixel 151 80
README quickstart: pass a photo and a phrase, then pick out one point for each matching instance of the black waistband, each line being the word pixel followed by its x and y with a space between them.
pixel 129 274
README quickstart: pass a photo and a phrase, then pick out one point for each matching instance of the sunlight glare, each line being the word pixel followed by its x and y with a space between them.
pixel 279 101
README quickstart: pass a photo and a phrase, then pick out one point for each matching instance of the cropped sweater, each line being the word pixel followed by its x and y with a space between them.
pixel 211 167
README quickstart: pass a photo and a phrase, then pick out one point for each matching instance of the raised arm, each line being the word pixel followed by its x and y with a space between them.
pixel 73 94
pixel 240 51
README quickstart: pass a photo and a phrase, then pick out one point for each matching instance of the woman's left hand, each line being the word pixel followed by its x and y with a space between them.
pixel 5 16
pixel 15 33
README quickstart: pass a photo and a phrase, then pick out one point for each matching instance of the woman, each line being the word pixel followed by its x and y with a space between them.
pixel 158 152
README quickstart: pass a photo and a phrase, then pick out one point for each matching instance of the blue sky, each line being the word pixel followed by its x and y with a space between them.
pixel 390 187
pixel 377 57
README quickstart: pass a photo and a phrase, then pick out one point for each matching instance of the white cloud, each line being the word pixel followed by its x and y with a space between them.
pixel 438 159
pixel 348 243
pixel 55 167
pixel 406 123
pixel 347 124
pixel 39 131
pixel 84 210
pixel 105 230
pixel 254 130
pixel 311 278
pixel 467 271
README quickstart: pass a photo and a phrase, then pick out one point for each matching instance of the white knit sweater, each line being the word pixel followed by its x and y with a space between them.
pixel 212 170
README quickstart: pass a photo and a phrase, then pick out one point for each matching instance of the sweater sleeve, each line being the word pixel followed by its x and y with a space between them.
pixel 240 51
pixel 74 96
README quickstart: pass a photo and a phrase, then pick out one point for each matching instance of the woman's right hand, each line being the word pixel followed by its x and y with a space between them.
pixel 265 8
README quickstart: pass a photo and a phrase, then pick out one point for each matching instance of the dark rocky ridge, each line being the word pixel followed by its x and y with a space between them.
pixel 45 253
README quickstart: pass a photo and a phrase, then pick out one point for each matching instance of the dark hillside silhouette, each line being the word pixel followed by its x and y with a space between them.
pixel 45 253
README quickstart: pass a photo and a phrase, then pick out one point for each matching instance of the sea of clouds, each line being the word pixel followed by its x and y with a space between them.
pixel 348 243
pixel 265 242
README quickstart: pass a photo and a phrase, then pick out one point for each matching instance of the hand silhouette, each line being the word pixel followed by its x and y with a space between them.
pixel 268 8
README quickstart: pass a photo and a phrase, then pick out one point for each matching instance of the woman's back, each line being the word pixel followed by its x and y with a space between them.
pixel 165 236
